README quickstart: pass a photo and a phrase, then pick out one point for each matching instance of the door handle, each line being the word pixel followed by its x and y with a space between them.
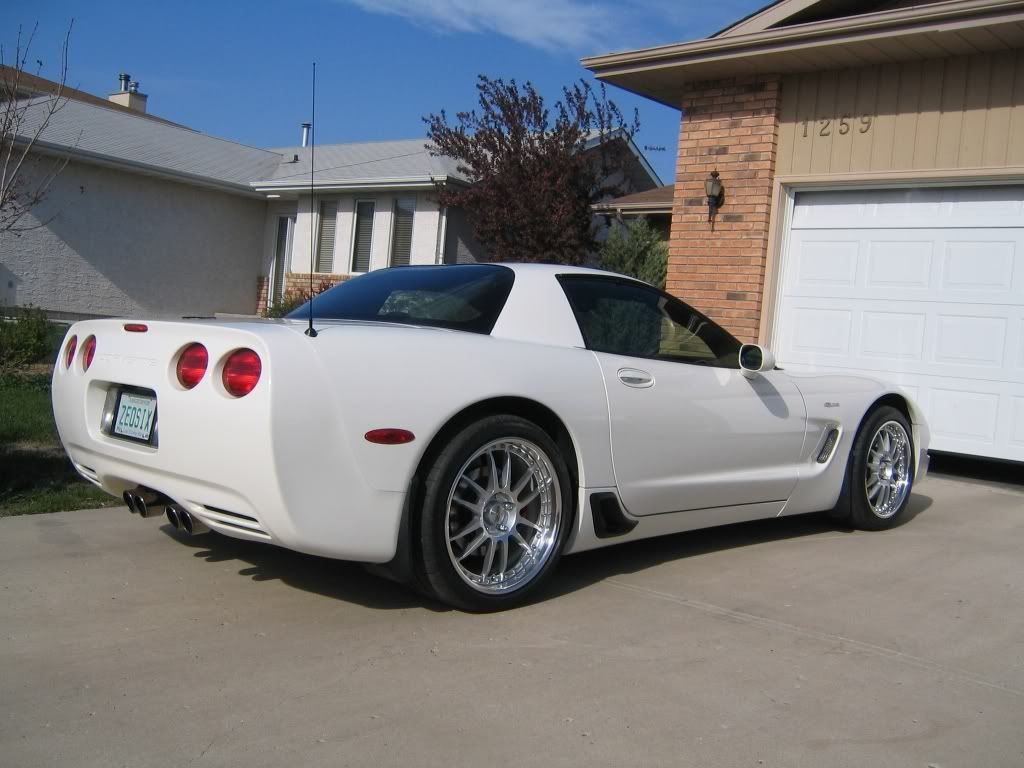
pixel 633 377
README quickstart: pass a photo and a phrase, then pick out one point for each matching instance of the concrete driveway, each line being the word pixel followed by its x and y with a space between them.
pixel 783 643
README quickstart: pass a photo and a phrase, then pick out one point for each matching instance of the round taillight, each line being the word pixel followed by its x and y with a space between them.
pixel 242 372
pixel 192 365
pixel 88 352
pixel 69 353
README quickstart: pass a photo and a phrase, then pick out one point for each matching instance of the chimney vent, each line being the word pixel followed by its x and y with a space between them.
pixel 306 127
pixel 129 95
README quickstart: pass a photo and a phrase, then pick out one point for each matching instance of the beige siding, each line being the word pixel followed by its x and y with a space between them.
pixel 963 112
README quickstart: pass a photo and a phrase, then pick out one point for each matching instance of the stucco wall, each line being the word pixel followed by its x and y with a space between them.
pixel 117 243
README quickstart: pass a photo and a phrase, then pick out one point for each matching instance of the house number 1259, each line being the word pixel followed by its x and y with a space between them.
pixel 842 126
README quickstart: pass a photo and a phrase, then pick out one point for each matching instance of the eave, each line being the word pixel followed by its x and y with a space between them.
pixel 956 27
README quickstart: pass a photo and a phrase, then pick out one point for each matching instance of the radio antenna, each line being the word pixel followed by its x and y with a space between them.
pixel 311 331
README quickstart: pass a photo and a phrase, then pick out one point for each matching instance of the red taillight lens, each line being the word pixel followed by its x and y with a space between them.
pixel 242 372
pixel 88 352
pixel 69 353
pixel 136 327
pixel 192 365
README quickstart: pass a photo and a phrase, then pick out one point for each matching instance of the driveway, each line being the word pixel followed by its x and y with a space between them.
pixel 781 643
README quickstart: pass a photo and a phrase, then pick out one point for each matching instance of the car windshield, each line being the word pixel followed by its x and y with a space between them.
pixel 463 297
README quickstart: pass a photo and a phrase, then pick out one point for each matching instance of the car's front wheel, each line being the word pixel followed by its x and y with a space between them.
pixel 497 510
pixel 880 474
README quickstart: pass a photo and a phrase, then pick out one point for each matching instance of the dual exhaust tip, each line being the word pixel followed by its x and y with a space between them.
pixel 146 503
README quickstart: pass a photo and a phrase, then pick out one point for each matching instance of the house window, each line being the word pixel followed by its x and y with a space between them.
pixel 325 243
pixel 282 254
pixel 362 239
pixel 401 230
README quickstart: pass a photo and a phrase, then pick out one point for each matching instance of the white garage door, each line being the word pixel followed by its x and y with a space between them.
pixel 923 287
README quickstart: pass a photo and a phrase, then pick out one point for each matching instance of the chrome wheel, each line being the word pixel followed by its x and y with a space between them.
pixel 887 475
pixel 503 515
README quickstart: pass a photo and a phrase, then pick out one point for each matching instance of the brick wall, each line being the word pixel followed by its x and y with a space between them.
pixel 732 126
pixel 296 286
pixel 262 293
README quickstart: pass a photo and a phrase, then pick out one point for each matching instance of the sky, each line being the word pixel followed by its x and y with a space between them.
pixel 241 70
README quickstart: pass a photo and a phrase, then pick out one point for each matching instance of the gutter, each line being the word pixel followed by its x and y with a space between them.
pixel 411 182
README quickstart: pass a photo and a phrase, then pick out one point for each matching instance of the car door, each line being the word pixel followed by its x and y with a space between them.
pixel 688 429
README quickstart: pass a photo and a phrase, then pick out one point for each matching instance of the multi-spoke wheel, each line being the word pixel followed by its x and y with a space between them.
pixel 887 477
pixel 881 470
pixel 496 513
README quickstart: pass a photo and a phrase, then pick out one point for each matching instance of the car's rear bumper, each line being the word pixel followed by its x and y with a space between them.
pixel 265 467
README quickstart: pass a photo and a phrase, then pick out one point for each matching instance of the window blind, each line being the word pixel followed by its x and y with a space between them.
pixel 401 230
pixel 325 244
pixel 363 237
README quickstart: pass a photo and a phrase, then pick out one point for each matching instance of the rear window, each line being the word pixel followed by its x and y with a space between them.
pixel 463 297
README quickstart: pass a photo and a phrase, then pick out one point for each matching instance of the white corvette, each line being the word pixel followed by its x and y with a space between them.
pixel 464 426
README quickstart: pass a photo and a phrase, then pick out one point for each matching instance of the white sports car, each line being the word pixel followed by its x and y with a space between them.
pixel 464 426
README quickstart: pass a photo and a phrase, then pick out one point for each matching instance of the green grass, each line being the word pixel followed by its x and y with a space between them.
pixel 36 475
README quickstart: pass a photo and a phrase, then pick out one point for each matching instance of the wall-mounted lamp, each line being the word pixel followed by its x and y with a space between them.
pixel 716 194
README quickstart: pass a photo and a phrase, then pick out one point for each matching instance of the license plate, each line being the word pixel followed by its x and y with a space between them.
pixel 135 416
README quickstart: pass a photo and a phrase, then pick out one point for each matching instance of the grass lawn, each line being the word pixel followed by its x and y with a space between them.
pixel 35 474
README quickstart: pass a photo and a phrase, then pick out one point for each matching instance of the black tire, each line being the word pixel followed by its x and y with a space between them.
pixel 464 460
pixel 870 481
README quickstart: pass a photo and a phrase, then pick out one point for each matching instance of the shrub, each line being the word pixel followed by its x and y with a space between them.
pixel 636 250
pixel 25 337
pixel 295 299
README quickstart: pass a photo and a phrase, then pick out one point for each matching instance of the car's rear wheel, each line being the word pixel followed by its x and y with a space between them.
pixel 496 513
pixel 880 474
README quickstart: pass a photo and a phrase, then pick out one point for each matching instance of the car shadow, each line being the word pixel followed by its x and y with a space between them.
pixel 587 568
pixel 334 579
pixel 340 580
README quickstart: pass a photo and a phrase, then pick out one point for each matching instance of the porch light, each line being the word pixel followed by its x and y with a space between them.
pixel 716 194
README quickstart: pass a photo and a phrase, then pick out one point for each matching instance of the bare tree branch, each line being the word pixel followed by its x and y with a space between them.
pixel 28 105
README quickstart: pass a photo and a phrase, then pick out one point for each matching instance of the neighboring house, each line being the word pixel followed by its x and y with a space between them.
pixel 153 218
pixel 374 206
pixel 873 161
pixel 655 205
pixel 146 218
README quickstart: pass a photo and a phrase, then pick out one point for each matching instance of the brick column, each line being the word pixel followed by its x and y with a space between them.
pixel 262 293
pixel 733 126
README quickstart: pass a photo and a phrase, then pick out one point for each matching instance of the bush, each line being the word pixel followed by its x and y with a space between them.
pixel 294 300
pixel 636 250
pixel 26 337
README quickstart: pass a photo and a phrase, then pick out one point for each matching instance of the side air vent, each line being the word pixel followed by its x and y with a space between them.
pixel 609 519
pixel 828 447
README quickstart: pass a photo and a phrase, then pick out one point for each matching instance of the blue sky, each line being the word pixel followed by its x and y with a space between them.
pixel 241 70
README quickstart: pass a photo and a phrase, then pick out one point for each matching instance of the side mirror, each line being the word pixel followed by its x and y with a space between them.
pixel 754 359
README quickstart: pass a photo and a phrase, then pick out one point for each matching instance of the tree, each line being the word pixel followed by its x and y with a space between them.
pixel 28 105
pixel 533 172
pixel 636 249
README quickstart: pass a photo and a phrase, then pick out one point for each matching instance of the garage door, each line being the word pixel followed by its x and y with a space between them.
pixel 923 287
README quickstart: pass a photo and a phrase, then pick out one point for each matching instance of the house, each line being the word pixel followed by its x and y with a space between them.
pixel 153 218
pixel 654 204
pixel 872 157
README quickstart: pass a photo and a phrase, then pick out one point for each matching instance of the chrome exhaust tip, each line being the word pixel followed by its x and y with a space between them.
pixel 173 517
pixel 129 499
pixel 143 502
pixel 191 525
